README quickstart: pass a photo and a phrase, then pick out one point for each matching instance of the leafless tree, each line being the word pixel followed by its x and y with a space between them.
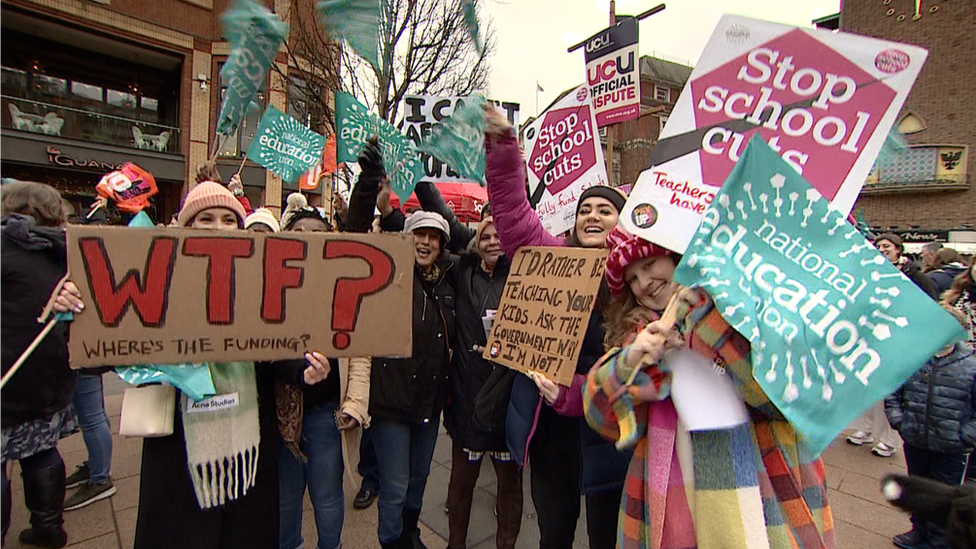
pixel 425 49
pixel 314 65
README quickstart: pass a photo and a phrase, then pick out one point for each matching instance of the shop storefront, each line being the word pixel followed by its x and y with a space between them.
pixel 74 168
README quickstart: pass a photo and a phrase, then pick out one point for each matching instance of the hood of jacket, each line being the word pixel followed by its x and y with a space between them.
pixel 24 231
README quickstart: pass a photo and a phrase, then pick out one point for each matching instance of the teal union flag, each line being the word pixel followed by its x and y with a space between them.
pixel 285 146
pixel 834 326
pixel 355 125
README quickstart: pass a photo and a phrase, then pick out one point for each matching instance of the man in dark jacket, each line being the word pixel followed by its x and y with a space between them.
pixel 891 246
pixel 935 413
pixel 407 395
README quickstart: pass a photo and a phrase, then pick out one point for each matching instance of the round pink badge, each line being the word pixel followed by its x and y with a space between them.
pixel 891 61
pixel 581 95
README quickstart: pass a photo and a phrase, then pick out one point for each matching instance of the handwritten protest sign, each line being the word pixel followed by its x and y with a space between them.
pixel 356 125
pixel 255 34
pixel 423 113
pixel 824 101
pixel 545 309
pixel 130 188
pixel 564 159
pixel 163 296
pixel 613 73
pixel 834 326
pixel 284 146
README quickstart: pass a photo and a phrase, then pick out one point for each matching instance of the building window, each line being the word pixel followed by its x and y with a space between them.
pixel 237 144
pixel 149 104
pixel 662 93
pixel 120 99
pixel 663 119
pixel 86 91
pixel 14 80
pixel 51 86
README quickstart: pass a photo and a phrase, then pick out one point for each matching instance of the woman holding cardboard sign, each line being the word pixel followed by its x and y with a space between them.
pixel 407 395
pixel 735 476
pixel 188 496
pixel 563 449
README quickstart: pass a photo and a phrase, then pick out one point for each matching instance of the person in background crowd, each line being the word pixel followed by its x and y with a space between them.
pixel 36 404
pixel 93 477
pixel 236 186
pixel 174 508
pixel 945 268
pixel 480 390
pixel 299 216
pixel 962 296
pixel 667 502
pixel 407 395
pixel 262 221
pixel 890 246
pixel 369 469
pixel 927 255
pixel 318 420
pixel 560 446
pixel 935 412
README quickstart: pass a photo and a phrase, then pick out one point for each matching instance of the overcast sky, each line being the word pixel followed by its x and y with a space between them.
pixel 533 36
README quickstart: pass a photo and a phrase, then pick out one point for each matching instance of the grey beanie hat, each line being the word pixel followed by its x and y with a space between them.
pixel 428 220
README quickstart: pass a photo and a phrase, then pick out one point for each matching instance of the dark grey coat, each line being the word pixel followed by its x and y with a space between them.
pixel 936 408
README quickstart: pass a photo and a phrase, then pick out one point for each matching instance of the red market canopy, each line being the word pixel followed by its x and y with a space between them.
pixel 464 199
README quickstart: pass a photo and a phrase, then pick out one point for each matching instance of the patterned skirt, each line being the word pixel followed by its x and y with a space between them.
pixel 24 440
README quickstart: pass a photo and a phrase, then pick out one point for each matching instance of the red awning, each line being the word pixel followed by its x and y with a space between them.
pixel 464 199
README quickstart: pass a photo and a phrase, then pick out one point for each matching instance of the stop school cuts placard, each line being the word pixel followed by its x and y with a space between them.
pixel 823 101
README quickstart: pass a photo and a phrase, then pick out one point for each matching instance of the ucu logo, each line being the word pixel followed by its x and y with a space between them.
pixel 600 42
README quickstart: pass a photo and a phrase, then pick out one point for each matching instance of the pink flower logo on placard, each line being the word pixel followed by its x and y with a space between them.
pixel 797 88
pixel 892 61
pixel 564 149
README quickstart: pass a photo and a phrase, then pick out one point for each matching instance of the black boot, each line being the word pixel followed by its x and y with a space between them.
pixel 411 532
pixel 6 508
pixel 44 495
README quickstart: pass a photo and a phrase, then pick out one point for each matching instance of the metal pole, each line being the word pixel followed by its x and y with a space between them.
pixel 611 129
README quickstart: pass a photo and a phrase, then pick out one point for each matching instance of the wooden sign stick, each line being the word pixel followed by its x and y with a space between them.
pixel 668 319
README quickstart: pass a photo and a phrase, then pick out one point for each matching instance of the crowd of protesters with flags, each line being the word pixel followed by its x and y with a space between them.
pixel 615 429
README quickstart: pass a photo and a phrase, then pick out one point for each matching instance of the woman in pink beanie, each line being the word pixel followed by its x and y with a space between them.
pixel 214 481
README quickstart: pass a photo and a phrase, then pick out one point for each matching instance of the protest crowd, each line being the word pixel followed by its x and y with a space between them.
pixel 611 436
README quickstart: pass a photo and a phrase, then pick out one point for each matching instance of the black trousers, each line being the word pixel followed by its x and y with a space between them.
pixel 554 463
pixel 947 468
pixel 602 510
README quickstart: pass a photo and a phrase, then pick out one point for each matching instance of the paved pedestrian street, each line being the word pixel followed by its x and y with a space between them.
pixel 862 519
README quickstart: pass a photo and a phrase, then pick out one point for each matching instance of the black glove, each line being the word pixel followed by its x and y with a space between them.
pixel 371 162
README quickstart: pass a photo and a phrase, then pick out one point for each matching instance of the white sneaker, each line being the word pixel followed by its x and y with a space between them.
pixel 858 438
pixel 883 450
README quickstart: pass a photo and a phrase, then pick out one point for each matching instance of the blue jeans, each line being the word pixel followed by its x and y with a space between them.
pixel 322 443
pixel 404 452
pixel 368 467
pixel 90 405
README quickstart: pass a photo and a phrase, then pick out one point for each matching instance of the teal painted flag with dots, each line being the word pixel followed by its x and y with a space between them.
pixel 834 326
pixel 285 146
pixel 355 125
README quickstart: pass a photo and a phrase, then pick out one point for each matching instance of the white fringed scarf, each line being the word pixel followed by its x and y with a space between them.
pixel 222 445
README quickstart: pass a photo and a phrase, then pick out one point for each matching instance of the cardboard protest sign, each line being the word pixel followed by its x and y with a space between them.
pixel 825 101
pixel 564 159
pixel 834 326
pixel 613 73
pixel 423 113
pixel 545 309
pixel 356 125
pixel 168 296
pixel 285 146
pixel 255 35
pixel 130 188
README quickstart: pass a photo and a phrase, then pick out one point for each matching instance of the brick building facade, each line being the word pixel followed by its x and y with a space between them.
pixel 661 83
pixel 89 84
pixel 938 118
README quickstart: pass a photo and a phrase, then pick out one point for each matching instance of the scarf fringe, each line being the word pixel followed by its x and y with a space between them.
pixel 217 482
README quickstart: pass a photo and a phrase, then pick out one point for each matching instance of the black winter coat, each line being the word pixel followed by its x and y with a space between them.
pixel 33 262
pixel 915 274
pixel 936 408
pixel 413 390
pixel 943 276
